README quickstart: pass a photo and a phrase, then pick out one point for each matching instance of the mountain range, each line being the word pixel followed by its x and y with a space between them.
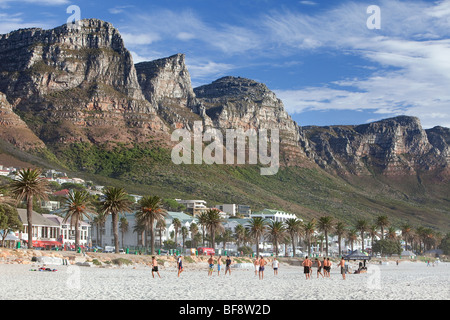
pixel 73 98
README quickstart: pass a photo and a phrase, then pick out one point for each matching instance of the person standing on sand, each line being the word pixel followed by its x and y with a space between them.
pixel 319 268
pixel 211 265
pixel 329 267
pixel 262 263
pixel 342 265
pixel 155 267
pixel 180 265
pixel 275 264
pixel 228 265
pixel 306 267
pixel 325 267
pixel 256 264
pixel 219 264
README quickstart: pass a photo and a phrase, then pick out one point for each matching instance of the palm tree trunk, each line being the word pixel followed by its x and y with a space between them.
pixel 257 246
pixel 29 219
pixel 293 243
pixel 77 235
pixel 152 238
pixel 339 245
pixel 160 238
pixel 115 218
pixel 362 240
pixel 326 243
pixel 213 238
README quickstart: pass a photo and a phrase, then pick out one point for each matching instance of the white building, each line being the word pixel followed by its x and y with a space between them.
pixel 235 209
pixel 130 238
pixel 49 230
pixel 193 207
pixel 275 215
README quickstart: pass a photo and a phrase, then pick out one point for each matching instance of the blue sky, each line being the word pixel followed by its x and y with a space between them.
pixel 319 57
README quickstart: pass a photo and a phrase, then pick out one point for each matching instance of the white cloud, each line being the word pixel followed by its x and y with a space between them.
pixel 207 69
pixel 140 39
pixel 412 50
pixel 8 3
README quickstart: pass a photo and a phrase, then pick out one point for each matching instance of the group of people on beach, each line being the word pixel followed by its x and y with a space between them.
pixel 259 264
pixel 325 265
pixel 211 261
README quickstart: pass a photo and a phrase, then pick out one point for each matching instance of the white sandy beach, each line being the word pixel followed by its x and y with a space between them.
pixel 409 280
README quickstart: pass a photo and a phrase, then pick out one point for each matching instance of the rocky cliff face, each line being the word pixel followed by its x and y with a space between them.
pixel 14 130
pixel 393 146
pixel 166 84
pixel 80 85
pixel 81 82
pixel 234 102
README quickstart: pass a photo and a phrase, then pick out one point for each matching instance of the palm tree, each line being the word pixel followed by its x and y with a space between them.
pixel 382 222
pixel 320 238
pixel 140 229
pixel 352 236
pixel 27 187
pixel 294 228
pixel 123 226
pixel 325 224
pixel 276 231
pixel 184 234
pixel 239 231
pixel 373 232
pixel 161 226
pixel 202 219
pixel 115 201
pixel 257 227
pixel 362 225
pixel 177 225
pixel 193 228
pixel 99 221
pixel 77 206
pixel 227 236
pixel 309 229
pixel 151 210
pixel 406 232
pixel 391 233
pixel 340 230
pixel 428 238
pixel 214 224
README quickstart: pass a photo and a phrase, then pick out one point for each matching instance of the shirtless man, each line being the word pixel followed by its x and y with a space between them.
pixel 155 267
pixel 306 267
pixel 325 267
pixel 210 265
pixel 319 268
pixel 262 263
pixel 256 264
pixel 219 265
pixel 342 265
pixel 328 267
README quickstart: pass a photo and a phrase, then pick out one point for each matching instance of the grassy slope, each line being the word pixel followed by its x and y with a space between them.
pixel 306 192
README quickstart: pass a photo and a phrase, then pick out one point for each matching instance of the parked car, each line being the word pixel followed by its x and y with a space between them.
pixel 109 249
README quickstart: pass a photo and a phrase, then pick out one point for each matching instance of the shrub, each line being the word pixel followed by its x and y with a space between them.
pixel 122 261
pixel 387 246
